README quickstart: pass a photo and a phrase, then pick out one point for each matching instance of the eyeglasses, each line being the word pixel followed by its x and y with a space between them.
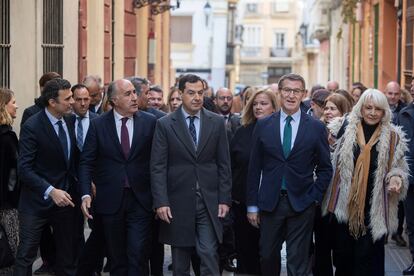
pixel 296 91
pixel 222 98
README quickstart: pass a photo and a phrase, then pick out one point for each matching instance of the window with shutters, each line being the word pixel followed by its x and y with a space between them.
pixel 181 29
pixel 52 42
pixel 4 43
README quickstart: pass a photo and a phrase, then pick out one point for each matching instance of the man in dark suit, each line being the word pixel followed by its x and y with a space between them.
pixel 48 174
pixel 224 102
pixel 289 148
pixel 116 157
pixel 191 179
pixel 92 253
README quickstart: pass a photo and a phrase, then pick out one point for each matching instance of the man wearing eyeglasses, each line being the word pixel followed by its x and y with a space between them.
pixel 288 149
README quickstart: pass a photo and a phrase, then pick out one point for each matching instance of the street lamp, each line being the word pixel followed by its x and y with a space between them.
pixel 207 11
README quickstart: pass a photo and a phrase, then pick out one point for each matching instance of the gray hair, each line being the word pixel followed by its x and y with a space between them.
pixel 91 80
pixel 137 82
pixel 111 92
pixel 378 99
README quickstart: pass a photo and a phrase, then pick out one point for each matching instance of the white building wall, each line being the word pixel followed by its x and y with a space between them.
pixel 208 49
pixel 26 58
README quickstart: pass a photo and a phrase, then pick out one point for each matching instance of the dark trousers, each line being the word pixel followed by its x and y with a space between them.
pixel 128 237
pixel 91 257
pixel 323 228
pixel 246 242
pixel 284 224
pixel 63 222
pixel 357 257
pixel 47 247
pixel 206 246
pixel 226 248
pixel 157 250
pixel 401 216
pixel 409 217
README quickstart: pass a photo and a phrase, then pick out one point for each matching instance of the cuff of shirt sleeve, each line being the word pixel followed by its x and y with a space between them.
pixel 252 209
pixel 47 192
pixel 85 196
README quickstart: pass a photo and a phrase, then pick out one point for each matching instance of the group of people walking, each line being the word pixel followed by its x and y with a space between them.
pixel 322 171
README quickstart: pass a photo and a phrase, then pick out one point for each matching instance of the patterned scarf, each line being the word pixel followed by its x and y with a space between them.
pixel 357 195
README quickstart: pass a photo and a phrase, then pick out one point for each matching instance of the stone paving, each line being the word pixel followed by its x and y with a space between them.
pixel 396 260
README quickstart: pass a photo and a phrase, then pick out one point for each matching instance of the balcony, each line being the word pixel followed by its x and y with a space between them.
pixel 280 52
pixel 251 52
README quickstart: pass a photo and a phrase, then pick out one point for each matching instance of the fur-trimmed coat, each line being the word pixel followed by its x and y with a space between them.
pixel 384 205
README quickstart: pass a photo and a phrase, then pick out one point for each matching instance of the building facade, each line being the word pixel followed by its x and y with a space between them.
pixel 269 34
pixel 36 37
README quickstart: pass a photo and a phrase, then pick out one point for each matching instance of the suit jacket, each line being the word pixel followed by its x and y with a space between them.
pixel 406 119
pixel 157 113
pixel 176 168
pixel 267 166
pixel 42 163
pixel 30 111
pixel 103 162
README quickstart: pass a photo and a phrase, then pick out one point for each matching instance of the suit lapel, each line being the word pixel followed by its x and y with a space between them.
pixel 137 132
pixel 180 129
pixel 70 123
pixel 277 134
pixel 52 133
pixel 205 130
pixel 304 119
pixel 110 119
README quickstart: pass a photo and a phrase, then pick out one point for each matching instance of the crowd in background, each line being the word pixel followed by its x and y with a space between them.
pixel 352 205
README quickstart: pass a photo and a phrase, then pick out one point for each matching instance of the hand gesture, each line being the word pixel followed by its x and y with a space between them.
pixel 61 198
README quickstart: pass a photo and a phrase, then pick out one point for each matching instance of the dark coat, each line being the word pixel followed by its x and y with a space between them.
pixel 102 161
pixel 176 167
pixel 8 167
pixel 30 111
pixel 240 156
pixel 268 165
pixel 42 163
pixel 406 119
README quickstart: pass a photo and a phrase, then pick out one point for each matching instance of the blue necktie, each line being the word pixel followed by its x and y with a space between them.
pixel 79 134
pixel 63 140
pixel 287 143
pixel 192 129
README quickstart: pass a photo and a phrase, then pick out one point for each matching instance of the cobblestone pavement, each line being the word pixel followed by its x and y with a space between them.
pixel 396 260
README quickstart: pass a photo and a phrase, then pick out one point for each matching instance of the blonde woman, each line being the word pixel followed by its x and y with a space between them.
pixel 261 104
pixel 9 192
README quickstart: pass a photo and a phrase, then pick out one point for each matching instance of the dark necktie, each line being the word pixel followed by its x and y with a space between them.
pixel 226 118
pixel 79 134
pixel 63 139
pixel 92 108
pixel 287 143
pixel 192 129
pixel 125 137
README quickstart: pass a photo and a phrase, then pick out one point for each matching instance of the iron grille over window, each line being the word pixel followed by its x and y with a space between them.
pixel 4 43
pixel 52 36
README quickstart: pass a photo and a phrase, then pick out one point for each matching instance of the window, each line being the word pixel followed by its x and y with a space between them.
pixel 5 43
pixel 281 6
pixel 409 44
pixel 251 7
pixel 279 42
pixel 52 42
pixel 252 36
pixel 181 29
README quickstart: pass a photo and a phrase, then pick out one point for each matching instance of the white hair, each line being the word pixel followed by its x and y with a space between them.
pixel 378 99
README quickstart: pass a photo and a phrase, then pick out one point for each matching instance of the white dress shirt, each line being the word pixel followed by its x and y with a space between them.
pixel 129 124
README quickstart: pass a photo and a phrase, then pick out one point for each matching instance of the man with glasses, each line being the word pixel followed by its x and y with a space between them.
pixel 289 148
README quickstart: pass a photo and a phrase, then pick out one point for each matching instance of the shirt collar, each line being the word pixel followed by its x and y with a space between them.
pixel 295 116
pixel 186 115
pixel 52 118
pixel 118 117
pixel 86 115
